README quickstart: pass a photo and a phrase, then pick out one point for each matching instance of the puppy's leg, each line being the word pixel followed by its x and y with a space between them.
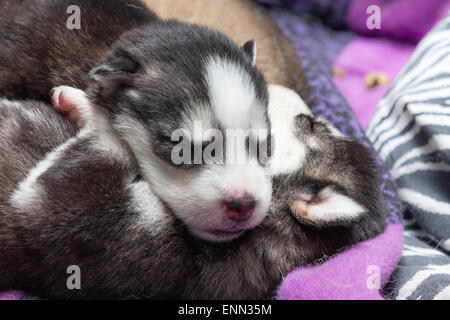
pixel 74 104
pixel 328 206
pixel 95 144
pixel 66 107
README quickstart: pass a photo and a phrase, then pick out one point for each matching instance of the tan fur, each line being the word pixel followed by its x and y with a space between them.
pixel 243 20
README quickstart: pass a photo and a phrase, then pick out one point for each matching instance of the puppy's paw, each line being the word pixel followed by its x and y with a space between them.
pixel 328 206
pixel 62 98
pixel 73 104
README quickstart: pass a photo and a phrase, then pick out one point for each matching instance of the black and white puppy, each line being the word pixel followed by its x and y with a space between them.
pixel 330 167
pixel 155 78
pixel 85 204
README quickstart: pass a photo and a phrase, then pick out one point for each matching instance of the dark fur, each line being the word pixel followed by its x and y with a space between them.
pixel 118 43
pixel 86 220
pixel 38 51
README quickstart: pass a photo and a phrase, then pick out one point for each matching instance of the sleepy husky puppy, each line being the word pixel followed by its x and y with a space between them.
pixel 154 77
pixel 85 204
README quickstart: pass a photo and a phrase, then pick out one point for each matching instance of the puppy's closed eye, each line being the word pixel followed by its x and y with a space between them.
pixel 328 206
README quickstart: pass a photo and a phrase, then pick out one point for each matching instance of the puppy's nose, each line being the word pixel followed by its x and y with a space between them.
pixel 240 209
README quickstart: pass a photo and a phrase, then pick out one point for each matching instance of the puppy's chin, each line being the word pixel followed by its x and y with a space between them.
pixel 217 235
pixel 218 228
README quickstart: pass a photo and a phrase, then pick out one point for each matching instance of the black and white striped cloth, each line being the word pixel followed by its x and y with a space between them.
pixel 411 133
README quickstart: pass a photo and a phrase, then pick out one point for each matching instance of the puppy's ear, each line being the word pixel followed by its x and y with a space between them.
pixel 250 49
pixel 114 73
pixel 304 124
pixel 327 207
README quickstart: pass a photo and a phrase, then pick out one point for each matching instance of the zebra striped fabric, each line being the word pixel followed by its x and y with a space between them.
pixel 423 272
pixel 411 133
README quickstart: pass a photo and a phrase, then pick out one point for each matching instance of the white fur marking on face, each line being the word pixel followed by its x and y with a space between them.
pixel 334 206
pixel 289 152
pixel 197 121
pixel 196 196
pixel 233 96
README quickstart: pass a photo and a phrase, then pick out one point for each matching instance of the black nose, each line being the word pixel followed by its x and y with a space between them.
pixel 240 209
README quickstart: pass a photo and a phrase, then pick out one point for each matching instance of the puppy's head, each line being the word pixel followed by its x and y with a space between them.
pixel 339 181
pixel 193 108
pixel 321 176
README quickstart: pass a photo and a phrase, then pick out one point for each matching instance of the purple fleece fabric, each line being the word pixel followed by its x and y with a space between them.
pixel 362 56
pixel 407 20
pixel 357 274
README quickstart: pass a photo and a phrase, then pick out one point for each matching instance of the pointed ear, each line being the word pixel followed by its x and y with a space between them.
pixel 304 124
pixel 250 49
pixel 114 73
